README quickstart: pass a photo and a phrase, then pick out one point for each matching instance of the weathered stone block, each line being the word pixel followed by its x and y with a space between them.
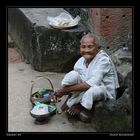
pixel 114 115
pixel 47 49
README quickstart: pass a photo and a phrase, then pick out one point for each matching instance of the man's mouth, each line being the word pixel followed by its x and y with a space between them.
pixel 87 54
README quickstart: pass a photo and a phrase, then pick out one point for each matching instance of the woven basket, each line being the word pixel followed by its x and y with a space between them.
pixel 38 95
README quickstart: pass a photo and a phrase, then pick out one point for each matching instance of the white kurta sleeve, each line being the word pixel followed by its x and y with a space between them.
pixel 98 71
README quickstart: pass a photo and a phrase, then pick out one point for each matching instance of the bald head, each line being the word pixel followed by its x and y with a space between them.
pixel 91 37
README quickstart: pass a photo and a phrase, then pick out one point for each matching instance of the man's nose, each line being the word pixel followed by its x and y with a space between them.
pixel 87 49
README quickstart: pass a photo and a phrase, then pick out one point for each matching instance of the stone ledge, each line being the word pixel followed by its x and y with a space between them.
pixel 47 49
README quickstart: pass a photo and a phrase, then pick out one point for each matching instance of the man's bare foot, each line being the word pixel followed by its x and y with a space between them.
pixel 75 109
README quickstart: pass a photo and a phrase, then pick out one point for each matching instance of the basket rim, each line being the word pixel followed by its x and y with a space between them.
pixel 40 99
pixel 46 89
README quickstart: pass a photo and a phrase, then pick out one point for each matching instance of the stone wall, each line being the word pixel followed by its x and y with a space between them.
pixel 112 24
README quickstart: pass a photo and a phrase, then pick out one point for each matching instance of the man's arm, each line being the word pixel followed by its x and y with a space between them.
pixel 78 87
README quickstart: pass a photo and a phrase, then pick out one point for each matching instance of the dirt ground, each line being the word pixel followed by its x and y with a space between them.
pixel 13 56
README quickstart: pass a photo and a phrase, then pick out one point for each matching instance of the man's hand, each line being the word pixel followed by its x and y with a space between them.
pixel 67 89
pixel 58 94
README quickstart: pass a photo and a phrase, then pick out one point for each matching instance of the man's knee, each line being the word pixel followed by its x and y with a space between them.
pixel 70 78
pixel 98 96
pixel 98 93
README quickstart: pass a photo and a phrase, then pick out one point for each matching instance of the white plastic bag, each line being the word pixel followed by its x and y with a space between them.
pixel 40 109
pixel 64 20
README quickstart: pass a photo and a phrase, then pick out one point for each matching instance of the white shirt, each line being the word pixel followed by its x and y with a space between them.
pixel 100 72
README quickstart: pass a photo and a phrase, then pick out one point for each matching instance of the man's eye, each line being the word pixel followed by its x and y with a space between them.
pixel 83 46
pixel 90 46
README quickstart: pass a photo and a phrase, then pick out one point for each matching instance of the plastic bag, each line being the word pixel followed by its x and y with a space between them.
pixel 64 20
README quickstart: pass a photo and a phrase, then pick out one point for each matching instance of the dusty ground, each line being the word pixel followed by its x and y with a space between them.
pixel 13 56
pixel 20 76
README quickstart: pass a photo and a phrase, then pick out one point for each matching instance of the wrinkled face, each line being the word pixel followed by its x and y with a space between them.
pixel 88 49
